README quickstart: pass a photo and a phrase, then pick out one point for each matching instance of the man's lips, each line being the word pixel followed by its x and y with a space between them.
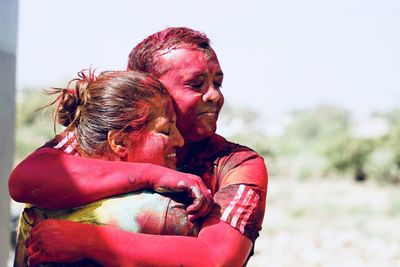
pixel 208 113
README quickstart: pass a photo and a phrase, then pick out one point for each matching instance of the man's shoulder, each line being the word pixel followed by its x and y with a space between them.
pixel 227 162
pixel 240 164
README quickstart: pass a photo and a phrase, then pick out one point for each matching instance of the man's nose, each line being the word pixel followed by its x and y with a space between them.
pixel 212 94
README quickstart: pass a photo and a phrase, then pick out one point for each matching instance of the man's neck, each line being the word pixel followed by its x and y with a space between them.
pixel 183 152
pixel 190 150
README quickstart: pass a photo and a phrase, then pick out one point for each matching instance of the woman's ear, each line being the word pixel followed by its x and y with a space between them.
pixel 117 144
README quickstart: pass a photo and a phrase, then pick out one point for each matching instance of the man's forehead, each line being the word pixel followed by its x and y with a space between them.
pixel 190 60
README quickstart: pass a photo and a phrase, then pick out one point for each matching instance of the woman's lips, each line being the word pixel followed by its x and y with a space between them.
pixel 171 155
pixel 171 160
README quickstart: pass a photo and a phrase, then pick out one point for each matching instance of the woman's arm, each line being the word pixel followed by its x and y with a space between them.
pixel 218 244
pixel 52 179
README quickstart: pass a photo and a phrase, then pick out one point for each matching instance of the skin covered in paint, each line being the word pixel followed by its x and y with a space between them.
pixel 158 142
pixel 194 81
pixel 143 212
pixel 74 178
pixel 218 244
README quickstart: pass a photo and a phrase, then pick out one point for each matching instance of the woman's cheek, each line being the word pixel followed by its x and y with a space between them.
pixel 154 151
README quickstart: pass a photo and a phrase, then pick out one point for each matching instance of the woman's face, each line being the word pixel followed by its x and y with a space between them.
pixel 157 143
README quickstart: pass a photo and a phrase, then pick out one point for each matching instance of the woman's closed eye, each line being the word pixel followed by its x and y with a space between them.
pixel 165 132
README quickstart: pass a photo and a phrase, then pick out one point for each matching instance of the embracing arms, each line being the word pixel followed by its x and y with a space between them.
pixel 218 244
pixel 224 239
pixel 52 179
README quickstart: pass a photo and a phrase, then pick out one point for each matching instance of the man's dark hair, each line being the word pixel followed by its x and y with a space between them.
pixel 144 56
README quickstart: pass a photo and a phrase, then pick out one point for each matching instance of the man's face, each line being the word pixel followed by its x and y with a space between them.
pixel 194 80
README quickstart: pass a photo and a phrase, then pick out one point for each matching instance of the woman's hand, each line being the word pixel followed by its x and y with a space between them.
pixel 173 181
pixel 56 241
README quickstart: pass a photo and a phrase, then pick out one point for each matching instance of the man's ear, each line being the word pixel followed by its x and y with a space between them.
pixel 117 143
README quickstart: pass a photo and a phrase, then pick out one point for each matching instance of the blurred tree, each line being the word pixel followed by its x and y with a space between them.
pixel 33 127
pixel 393 117
pixel 384 163
pixel 349 154
pixel 313 129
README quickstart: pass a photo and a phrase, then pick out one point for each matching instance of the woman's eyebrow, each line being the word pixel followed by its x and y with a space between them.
pixel 199 74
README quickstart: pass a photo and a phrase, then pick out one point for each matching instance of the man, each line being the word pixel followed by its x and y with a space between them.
pixel 184 62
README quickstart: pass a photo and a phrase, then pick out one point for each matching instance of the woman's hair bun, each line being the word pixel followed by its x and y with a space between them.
pixel 71 99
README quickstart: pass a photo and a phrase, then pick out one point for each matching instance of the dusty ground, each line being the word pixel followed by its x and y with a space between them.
pixel 329 223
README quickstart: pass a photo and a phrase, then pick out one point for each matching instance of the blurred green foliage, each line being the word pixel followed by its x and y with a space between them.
pixel 33 127
pixel 310 129
pixel 347 153
pixel 384 163
pixel 320 141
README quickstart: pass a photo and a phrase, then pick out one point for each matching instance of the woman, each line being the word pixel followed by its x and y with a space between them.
pixel 118 116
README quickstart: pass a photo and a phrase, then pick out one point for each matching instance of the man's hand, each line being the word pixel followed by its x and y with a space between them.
pixel 55 241
pixel 192 185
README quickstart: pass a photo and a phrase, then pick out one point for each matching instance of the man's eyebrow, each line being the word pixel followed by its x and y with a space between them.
pixel 201 73
pixel 220 73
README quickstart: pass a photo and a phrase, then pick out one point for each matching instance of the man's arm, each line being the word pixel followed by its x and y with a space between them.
pixel 52 179
pixel 241 198
pixel 218 244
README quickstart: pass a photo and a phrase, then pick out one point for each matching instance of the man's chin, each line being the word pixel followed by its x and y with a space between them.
pixel 199 134
pixel 206 132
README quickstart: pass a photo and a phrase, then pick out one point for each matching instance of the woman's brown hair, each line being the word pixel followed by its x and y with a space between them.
pixel 114 100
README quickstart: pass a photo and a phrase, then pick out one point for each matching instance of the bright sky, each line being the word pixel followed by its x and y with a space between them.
pixel 276 55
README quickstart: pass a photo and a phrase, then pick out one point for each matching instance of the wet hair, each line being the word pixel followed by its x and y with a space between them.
pixel 114 100
pixel 144 56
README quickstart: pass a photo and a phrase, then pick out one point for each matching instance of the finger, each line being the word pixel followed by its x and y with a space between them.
pixel 31 241
pixel 165 189
pixel 202 194
pixel 33 235
pixel 198 197
pixel 192 209
pixel 209 197
pixel 205 191
pixel 33 248
pixel 35 259
pixel 205 209
pixel 202 212
pixel 197 211
pixel 202 208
